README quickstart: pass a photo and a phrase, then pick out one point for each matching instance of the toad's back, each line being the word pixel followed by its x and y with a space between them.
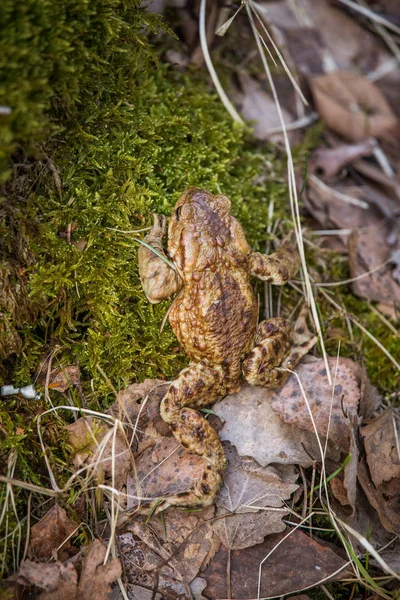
pixel 215 316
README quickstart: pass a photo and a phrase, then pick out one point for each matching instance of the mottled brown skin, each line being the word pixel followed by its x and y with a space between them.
pixel 214 316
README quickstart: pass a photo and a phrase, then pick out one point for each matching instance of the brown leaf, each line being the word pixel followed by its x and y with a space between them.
pixel 257 431
pixel 367 251
pixel 379 474
pixel 290 405
pixel 165 469
pixel 247 485
pixel 146 568
pixel 139 405
pixel 260 108
pixel 297 563
pixel 352 105
pixel 387 506
pixel 55 581
pixel 381 446
pixel 60 378
pixel 312 55
pixel 185 541
pixel 52 533
pixel 86 438
pixel 96 578
pixel 339 207
pixel 328 162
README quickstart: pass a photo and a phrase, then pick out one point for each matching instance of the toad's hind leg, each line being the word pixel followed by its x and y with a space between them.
pixel 196 386
pixel 279 348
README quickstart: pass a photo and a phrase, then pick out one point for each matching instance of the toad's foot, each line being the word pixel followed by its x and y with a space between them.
pixel 279 348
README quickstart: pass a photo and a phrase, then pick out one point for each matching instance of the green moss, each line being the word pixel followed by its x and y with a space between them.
pixel 54 54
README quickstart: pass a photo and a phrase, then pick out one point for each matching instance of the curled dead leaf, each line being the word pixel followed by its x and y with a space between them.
pixel 52 535
pixel 61 378
pixel 56 581
pixel 328 162
pixel 104 452
pixel 367 251
pixel 379 472
pixel 352 105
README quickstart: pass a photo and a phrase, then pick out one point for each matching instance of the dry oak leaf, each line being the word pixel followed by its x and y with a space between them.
pixel 110 457
pixel 55 581
pixel 352 105
pixel 367 251
pixel 290 405
pixel 248 492
pixel 52 534
pixel 257 431
pixel 139 401
pixel 296 564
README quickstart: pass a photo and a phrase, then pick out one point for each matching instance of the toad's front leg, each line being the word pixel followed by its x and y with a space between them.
pixel 196 386
pixel 159 279
pixel 276 268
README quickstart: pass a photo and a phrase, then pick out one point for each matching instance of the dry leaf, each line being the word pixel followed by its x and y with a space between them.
pixel 247 485
pixel 51 536
pixel 146 569
pixel 96 578
pixel 257 431
pixel 291 406
pixel 324 46
pixel 61 378
pixel 367 251
pixel 386 505
pixel 339 207
pixel 184 540
pixel 139 405
pixel 328 162
pixel 55 581
pixel 379 474
pixel 111 458
pixel 260 108
pixel 165 469
pixel 352 106
pixel 381 446
pixel 52 581
pixel 297 563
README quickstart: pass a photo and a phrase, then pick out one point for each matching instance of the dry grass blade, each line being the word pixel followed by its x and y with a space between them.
pixel 225 26
pixel 363 329
pixel 371 15
pixel 258 9
pixel 207 58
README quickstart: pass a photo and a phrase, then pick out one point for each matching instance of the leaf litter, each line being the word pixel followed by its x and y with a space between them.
pixel 269 435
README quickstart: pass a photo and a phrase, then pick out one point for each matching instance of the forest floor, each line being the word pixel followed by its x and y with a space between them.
pixel 108 113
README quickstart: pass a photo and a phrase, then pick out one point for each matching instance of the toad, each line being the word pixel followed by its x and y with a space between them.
pixel 215 317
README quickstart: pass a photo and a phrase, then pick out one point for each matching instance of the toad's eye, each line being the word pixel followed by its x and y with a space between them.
pixel 178 213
